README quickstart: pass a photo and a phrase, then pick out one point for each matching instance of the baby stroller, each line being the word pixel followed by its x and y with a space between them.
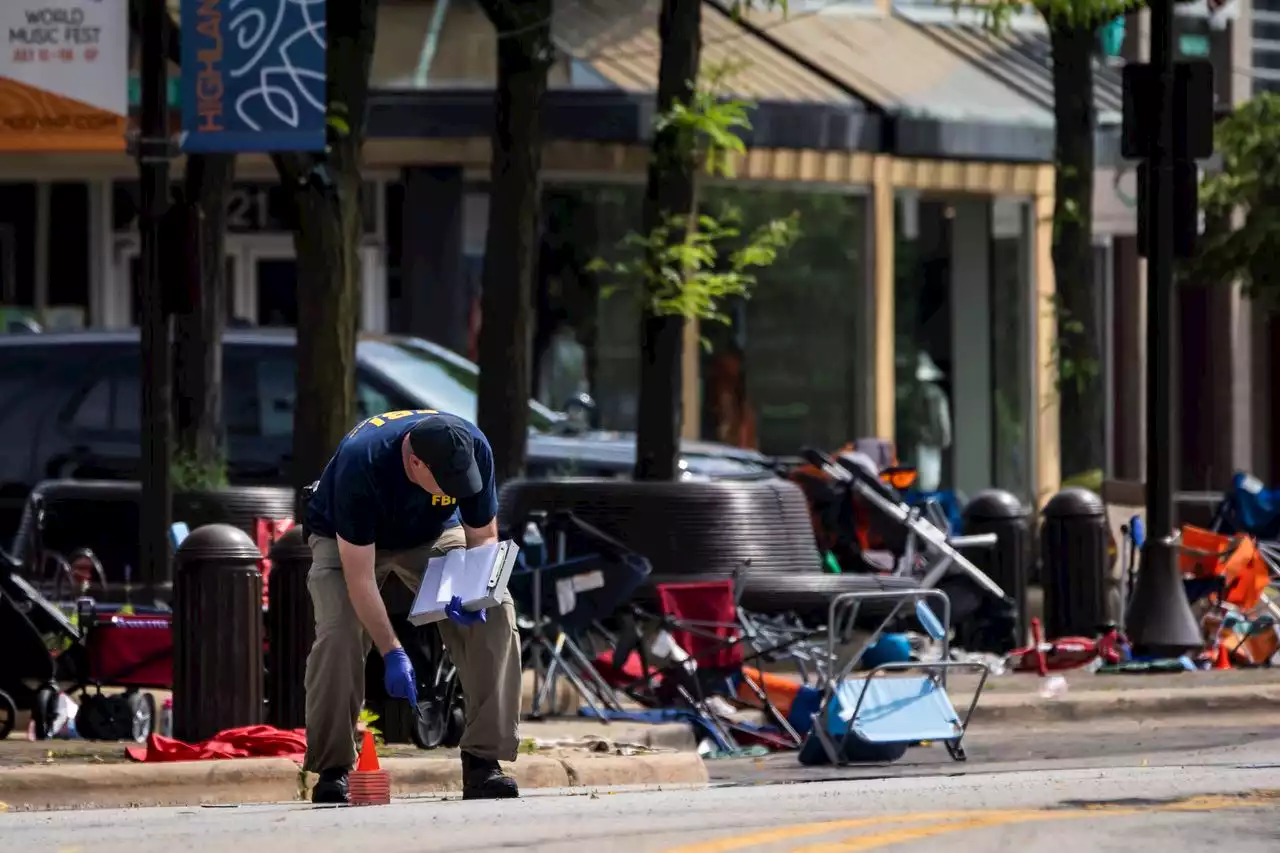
pixel 44 650
pixel 859 505
pixel 41 648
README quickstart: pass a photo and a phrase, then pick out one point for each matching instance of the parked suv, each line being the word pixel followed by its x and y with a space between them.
pixel 70 408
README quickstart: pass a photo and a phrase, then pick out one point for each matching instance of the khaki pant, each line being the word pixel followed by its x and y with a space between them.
pixel 486 654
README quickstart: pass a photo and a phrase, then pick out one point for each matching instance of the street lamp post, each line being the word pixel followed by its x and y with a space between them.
pixel 1160 622
pixel 153 153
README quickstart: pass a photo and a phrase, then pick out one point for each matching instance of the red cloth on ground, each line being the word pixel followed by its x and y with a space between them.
pixel 247 742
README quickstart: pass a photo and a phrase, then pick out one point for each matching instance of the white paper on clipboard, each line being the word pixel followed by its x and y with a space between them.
pixel 476 575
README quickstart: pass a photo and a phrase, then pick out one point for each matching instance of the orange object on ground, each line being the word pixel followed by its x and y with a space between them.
pixel 1200 551
pixel 247 742
pixel 781 689
pixel 368 755
pixel 1205 554
pixel 369 784
pixel 1247 575
pixel 1223 657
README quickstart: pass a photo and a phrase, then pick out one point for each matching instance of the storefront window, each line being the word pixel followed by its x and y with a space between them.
pixel 963 342
pixel 785 372
pixel 1011 342
pixel 587 333
pixel 924 409
pixel 789 370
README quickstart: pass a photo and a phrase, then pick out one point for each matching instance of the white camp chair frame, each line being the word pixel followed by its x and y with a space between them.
pixel 842 613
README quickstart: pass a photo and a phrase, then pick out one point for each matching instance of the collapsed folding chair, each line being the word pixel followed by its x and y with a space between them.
pixel 879 714
pixel 1250 507
pixel 705 639
pixel 1231 567
pixel 1233 575
pixel 590 577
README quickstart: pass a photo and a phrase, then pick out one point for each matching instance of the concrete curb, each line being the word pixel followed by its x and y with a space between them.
pixel 428 776
pixel 1138 703
pixel 189 783
pixel 276 780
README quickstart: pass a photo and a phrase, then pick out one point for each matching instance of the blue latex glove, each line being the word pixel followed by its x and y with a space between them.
pixel 399 678
pixel 463 617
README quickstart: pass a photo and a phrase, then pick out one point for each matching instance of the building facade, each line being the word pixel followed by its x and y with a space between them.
pixel 923 189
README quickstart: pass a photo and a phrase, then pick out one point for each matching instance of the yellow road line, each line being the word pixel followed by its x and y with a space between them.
pixel 900 835
pixel 943 822
pixel 915 833
pixel 788 833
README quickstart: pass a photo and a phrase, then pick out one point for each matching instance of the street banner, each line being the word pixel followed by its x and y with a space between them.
pixel 64 75
pixel 253 75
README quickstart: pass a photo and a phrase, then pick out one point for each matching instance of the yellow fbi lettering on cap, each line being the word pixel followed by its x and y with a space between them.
pixel 443 500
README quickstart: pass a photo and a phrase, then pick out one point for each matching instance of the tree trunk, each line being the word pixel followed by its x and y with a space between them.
pixel 1079 322
pixel 511 244
pixel 670 192
pixel 328 230
pixel 198 335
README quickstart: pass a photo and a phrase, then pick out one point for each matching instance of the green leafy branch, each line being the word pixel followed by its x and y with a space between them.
pixel 366 720
pixel 191 474
pixel 1247 185
pixel 1080 372
pixel 1069 14
pixel 683 265
pixel 683 276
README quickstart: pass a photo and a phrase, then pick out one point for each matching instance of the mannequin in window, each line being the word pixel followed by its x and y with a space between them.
pixel 563 368
pixel 934 435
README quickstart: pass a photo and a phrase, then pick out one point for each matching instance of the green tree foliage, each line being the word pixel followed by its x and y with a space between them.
pixel 685 133
pixel 1249 183
pixel 684 267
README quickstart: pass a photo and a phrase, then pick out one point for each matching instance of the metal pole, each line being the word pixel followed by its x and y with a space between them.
pixel 1160 622
pixel 157 428
pixel 1160 333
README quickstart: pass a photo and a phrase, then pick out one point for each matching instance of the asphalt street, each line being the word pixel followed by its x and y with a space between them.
pixel 1173 788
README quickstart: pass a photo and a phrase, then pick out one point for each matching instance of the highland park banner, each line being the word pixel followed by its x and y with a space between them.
pixel 64 75
pixel 253 75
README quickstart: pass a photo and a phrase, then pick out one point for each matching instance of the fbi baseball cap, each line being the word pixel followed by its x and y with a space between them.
pixel 445 445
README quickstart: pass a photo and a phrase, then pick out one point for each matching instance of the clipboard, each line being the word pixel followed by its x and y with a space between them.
pixel 478 576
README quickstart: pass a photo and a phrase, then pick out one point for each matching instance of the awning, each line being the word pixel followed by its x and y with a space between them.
pixel 434 68
pixel 1022 59
pixel 943 103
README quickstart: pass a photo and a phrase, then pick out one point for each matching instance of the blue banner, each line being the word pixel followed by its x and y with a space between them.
pixel 253 75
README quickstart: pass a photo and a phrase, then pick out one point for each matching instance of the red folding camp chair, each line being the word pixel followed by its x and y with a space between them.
pixel 702 620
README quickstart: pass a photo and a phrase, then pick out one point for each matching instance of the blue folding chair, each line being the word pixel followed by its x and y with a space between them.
pixel 575 577
pixel 879 714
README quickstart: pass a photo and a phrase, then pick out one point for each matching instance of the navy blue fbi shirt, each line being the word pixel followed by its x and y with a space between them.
pixel 366 497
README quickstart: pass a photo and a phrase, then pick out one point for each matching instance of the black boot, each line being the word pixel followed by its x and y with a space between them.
pixel 483 779
pixel 331 787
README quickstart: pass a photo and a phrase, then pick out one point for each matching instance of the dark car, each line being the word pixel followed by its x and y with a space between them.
pixel 70 408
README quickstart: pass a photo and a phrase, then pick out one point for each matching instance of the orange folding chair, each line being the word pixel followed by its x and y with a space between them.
pixel 1235 561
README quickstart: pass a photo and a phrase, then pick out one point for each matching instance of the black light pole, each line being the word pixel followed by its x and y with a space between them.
pixel 157 427
pixel 1161 623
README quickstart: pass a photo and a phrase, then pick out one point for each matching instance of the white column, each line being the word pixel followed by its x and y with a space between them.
pixel 972 426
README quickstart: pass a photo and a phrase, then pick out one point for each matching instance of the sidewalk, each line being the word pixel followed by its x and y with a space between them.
pixel 557 754
pixel 573 752
pixel 1018 698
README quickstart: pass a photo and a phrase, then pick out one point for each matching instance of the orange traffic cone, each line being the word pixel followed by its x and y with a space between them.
pixel 368 755
pixel 369 784
pixel 1223 658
